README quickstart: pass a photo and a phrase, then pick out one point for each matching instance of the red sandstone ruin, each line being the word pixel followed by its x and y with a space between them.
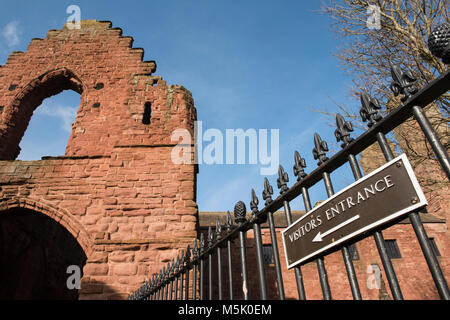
pixel 121 201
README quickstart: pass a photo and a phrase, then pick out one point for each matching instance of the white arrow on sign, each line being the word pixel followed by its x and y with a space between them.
pixel 320 236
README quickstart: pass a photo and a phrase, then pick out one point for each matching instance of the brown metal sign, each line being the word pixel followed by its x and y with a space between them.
pixel 386 194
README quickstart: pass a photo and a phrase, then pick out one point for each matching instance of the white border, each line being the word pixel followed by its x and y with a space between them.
pixel 422 202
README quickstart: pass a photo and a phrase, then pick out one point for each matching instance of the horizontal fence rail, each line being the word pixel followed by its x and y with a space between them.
pixel 175 280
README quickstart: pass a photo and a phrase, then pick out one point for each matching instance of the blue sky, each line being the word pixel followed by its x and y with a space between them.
pixel 249 64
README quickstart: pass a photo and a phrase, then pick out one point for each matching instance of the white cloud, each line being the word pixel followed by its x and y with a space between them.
pixel 66 114
pixel 11 33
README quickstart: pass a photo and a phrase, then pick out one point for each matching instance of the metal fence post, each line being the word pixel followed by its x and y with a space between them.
pixel 282 181
pixel 219 257
pixel 181 274
pixel 194 271
pixel 228 225
pixel 240 218
pixel 202 266
pixel 258 244
pixel 187 267
pixel 210 277
pixel 267 196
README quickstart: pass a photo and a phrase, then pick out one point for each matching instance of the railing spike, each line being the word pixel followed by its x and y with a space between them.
pixel 195 250
pixel 342 133
pixel 210 237
pixel 202 243
pixel 370 108
pixel 254 202
pixel 172 267
pixel 218 230
pixel 188 255
pixel 267 192
pixel 182 259
pixel 282 180
pixel 228 222
pixel 320 150
pixel 403 82
pixel 299 167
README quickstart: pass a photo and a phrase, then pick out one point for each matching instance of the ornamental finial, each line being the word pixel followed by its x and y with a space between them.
pixel 299 167
pixel 342 133
pixel 439 42
pixel 282 180
pixel 403 82
pixel 218 230
pixel 239 212
pixel 254 203
pixel 370 108
pixel 320 150
pixel 202 243
pixel 267 192
pixel 195 250
pixel 188 255
pixel 228 222
pixel 210 237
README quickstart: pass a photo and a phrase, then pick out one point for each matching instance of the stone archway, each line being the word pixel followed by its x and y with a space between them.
pixel 36 252
pixel 29 98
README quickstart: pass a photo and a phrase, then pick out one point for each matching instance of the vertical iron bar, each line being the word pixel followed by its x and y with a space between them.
pixel 219 271
pixel 186 286
pixel 210 287
pixel 210 276
pixel 276 255
pixel 439 151
pixel 345 251
pixel 323 277
pixel 219 257
pixel 257 220
pixel 202 273
pixel 202 265
pixel 297 270
pixel 181 284
pixel 384 145
pixel 240 212
pixel 243 250
pixel 164 291
pixel 260 262
pixel 194 271
pixel 187 269
pixel 194 282
pixel 210 263
pixel 171 289
pixel 159 293
pixel 390 273
pixel 230 269
pixel 176 287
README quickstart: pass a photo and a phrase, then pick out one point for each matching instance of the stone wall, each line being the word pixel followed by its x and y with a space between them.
pixel 116 189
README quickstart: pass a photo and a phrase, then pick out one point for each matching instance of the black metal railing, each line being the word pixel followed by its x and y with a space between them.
pixel 173 281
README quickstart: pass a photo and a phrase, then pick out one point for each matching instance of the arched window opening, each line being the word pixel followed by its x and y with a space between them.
pixel 147 113
pixel 41 140
pixel 50 127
